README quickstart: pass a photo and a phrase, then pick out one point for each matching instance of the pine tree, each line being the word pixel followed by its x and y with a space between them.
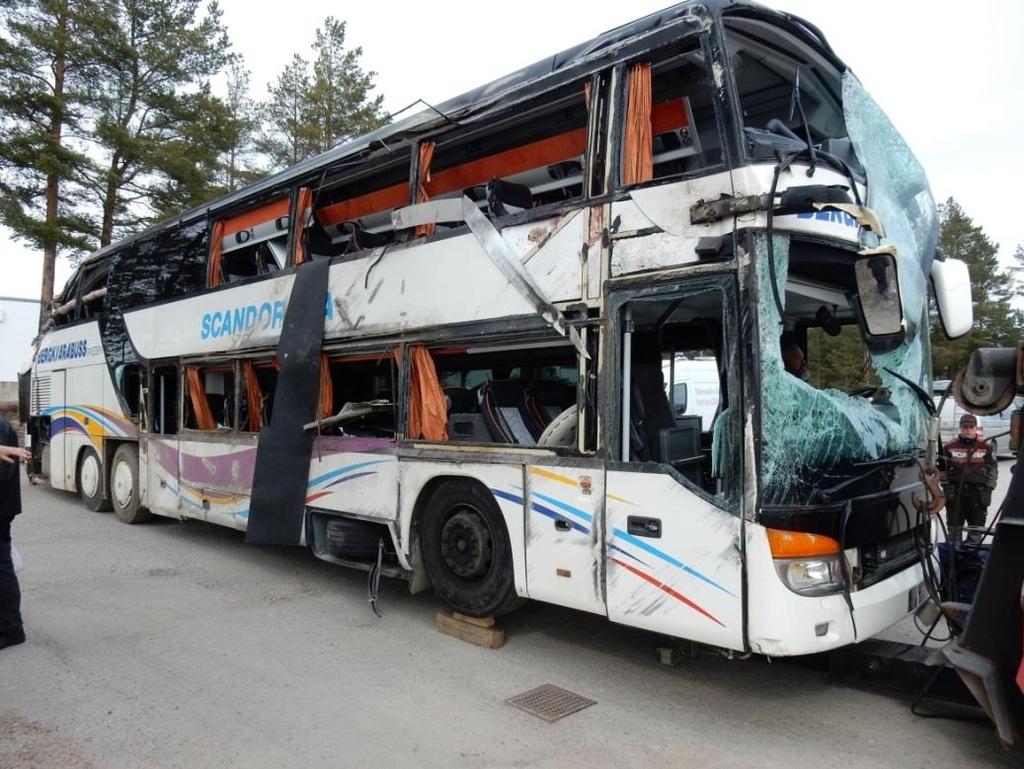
pixel 48 58
pixel 238 162
pixel 159 129
pixel 287 137
pixel 308 113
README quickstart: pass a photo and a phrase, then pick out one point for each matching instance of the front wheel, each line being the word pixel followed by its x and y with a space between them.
pixel 466 550
pixel 124 485
pixel 89 480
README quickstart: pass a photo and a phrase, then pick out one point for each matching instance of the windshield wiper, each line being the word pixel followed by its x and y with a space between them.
pixel 796 105
pixel 922 395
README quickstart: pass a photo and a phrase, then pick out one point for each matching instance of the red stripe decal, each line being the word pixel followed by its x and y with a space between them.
pixel 311 497
pixel 667 589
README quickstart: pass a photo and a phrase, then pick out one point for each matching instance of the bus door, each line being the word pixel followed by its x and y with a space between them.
pixel 564 535
pixel 61 471
pixel 158 446
pixel 672 525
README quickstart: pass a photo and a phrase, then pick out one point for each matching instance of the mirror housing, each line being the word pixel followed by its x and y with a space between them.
pixel 878 292
pixel 951 283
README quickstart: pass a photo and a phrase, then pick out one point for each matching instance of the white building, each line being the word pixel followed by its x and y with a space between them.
pixel 19 323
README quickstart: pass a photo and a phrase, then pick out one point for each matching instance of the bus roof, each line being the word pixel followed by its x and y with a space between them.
pixel 538 77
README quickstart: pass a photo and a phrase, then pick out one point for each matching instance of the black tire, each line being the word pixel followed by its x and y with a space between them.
pixel 124 485
pixel 466 550
pixel 90 481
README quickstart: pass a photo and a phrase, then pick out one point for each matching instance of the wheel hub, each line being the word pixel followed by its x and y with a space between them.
pixel 466 544
pixel 90 476
pixel 123 487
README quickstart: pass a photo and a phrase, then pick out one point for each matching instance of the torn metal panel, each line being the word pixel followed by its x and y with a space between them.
pixel 556 266
pixel 283 456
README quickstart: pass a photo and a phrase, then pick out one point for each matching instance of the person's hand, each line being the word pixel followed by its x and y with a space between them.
pixel 10 453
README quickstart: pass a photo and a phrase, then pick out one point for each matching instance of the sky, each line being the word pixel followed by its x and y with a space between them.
pixel 945 72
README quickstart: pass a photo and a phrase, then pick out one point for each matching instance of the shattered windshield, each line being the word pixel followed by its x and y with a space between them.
pixel 815 438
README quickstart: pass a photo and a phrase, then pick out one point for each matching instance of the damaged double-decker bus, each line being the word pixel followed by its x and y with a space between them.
pixel 443 351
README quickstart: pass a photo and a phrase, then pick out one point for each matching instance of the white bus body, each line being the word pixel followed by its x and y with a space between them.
pixel 542 329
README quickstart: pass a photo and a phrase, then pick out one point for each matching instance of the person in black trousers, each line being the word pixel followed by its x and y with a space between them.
pixel 11 630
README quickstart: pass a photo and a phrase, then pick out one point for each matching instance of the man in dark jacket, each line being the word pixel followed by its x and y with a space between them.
pixel 971 473
pixel 11 630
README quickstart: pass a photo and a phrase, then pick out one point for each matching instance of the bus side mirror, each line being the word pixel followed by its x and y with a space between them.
pixel 952 285
pixel 878 289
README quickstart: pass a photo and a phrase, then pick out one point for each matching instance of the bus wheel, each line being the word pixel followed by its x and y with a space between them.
pixel 124 485
pixel 466 550
pixel 89 480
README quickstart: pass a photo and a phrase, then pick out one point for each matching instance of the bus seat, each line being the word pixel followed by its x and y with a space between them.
pixel 663 437
pixel 505 198
pixel 507 414
pixel 549 398
pixel 460 400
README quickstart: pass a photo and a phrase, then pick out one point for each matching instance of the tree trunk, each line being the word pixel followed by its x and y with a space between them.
pixel 53 180
pixel 110 201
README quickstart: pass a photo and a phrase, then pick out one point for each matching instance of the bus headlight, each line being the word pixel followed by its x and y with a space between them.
pixel 807 563
pixel 817 576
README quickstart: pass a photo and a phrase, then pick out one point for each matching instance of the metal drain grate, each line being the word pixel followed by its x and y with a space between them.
pixel 550 702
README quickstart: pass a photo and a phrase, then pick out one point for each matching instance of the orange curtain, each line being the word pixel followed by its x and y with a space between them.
pixel 305 200
pixel 428 411
pixel 197 393
pixel 254 395
pixel 326 408
pixel 426 156
pixel 638 155
pixel 213 277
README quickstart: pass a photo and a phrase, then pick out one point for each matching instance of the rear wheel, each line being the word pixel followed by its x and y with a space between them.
pixel 89 480
pixel 466 550
pixel 124 485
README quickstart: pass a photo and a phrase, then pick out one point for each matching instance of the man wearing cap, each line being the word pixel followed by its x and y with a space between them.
pixel 971 473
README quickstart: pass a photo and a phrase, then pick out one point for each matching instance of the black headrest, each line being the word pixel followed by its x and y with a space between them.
pixel 501 194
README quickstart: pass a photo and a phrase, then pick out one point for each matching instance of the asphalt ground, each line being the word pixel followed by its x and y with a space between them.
pixel 174 644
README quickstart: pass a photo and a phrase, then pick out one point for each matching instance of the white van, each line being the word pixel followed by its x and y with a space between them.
pixel 695 388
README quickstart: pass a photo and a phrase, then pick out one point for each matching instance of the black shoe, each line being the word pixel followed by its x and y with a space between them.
pixel 12 640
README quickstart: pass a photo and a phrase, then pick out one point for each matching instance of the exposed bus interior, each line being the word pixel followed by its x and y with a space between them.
pixel 510 395
pixel 668 331
pixel 361 392
pixel 787 87
pixel 670 90
pixel 163 406
pixel 212 399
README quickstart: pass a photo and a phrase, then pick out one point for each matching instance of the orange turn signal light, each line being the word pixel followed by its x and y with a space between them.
pixel 797 544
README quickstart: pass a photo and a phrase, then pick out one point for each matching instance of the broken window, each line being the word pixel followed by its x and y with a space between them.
pixel 669 126
pixel 532 156
pixel 358 396
pixel 515 395
pixel 128 379
pixel 258 382
pixel 786 87
pixel 164 400
pixel 211 400
pixel 353 209
pixel 676 342
pixel 815 438
pixel 250 244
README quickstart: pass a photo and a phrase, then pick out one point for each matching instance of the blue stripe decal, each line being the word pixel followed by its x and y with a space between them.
pixel 668 559
pixel 568 508
pixel 628 555
pixel 174 490
pixel 342 470
pixel 350 477
pixel 91 415
pixel 506 495
pixel 559 517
